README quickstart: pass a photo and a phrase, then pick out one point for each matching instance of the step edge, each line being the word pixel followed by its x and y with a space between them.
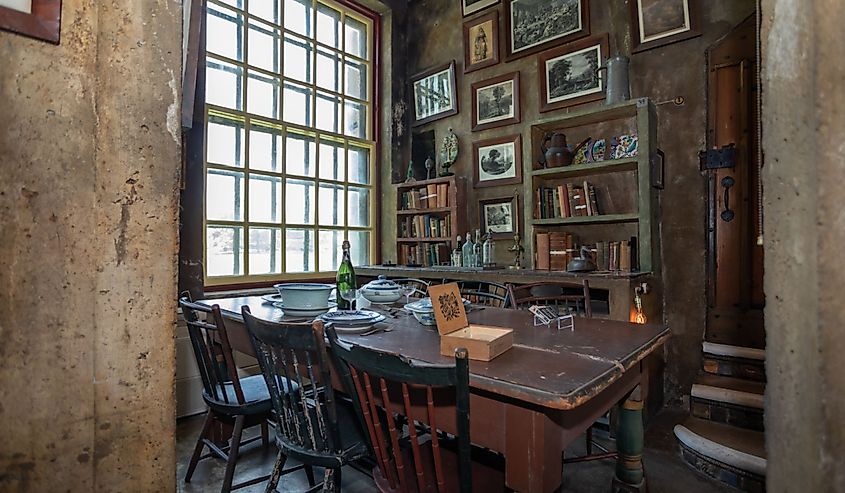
pixel 730 396
pixel 728 350
pixel 720 452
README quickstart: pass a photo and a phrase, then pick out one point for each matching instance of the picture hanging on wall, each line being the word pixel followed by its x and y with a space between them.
pixel 568 75
pixel 39 19
pixel 495 102
pixel 660 22
pixel 481 41
pixel 499 216
pixel 472 6
pixel 435 94
pixel 533 25
pixel 497 161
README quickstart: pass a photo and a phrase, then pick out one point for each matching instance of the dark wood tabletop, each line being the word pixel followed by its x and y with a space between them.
pixel 559 369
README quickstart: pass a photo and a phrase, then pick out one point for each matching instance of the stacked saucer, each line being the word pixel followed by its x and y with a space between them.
pixel 352 321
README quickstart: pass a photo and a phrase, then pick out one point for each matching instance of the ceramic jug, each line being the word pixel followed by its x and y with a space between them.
pixel 557 152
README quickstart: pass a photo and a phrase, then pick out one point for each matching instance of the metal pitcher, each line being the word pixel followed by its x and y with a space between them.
pixel 617 82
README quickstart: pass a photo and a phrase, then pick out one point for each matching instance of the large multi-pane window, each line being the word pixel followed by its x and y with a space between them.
pixel 289 138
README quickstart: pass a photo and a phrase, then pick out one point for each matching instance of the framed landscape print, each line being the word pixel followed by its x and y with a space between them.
pixel 533 25
pixel 39 19
pixel 471 6
pixel 499 216
pixel 481 41
pixel 568 74
pixel 497 161
pixel 495 102
pixel 435 94
pixel 660 22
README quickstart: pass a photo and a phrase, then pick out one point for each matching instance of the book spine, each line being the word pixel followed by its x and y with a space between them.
pixel 542 251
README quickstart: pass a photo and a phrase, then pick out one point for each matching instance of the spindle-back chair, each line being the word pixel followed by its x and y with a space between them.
pixel 561 294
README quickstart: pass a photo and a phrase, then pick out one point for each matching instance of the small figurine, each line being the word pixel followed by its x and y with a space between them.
pixel 448 153
pixel 517 250
pixel 410 175
pixel 429 163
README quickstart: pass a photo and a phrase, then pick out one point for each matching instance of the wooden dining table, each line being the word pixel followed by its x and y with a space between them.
pixel 530 402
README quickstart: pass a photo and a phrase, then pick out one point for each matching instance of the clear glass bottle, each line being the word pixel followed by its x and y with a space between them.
pixel 345 278
pixel 456 253
pixel 477 254
pixel 489 254
pixel 467 252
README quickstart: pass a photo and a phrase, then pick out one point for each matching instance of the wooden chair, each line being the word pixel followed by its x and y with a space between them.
pixel 236 402
pixel 420 285
pixel 484 293
pixel 561 294
pixel 313 428
pixel 392 390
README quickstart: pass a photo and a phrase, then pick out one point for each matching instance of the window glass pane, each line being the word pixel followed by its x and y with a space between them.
pixel 299 250
pixel 331 204
pixel 265 149
pixel 265 198
pixel 269 10
pixel 224 251
pixel 356 120
pixel 356 80
pixel 298 16
pixel 358 211
pixel 223 83
pixel 328 26
pixel 332 161
pixel 331 252
pixel 263 46
pixel 299 202
pixel 356 37
pixel 297 101
pixel 265 249
pixel 328 112
pixel 298 58
pixel 224 195
pixel 238 4
pixel 225 32
pixel 328 70
pixel 224 142
pixel 359 250
pixel 263 95
pixel 300 155
pixel 359 165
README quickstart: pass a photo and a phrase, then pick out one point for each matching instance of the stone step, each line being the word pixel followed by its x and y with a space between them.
pixel 734 361
pixel 732 455
pixel 728 400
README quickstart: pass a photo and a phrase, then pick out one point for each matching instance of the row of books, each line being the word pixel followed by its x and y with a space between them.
pixel 425 226
pixel 427 197
pixel 425 255
pixel 568 200
pixel 556 249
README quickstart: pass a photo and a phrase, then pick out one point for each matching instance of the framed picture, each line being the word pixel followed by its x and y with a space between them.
pixel 495 102
pixel 481 41
pixel 471 6
pixel 435 94
pixel 568 74
pixel 497 161
pixel 660 22
pixel 533 25
pixel 500 216
pixel 39 19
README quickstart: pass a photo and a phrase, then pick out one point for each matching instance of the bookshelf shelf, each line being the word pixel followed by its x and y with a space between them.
pixel 425 234
pixel 599 219
pixel 576 170
pixel 423 240
pixel 416 212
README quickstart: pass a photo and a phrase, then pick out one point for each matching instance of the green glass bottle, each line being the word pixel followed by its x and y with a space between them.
pixel 345 278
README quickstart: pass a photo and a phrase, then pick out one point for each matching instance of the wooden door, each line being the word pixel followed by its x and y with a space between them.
pixel 735 270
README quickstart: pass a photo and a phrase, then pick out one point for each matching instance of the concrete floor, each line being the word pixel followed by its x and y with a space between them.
pixel 665 471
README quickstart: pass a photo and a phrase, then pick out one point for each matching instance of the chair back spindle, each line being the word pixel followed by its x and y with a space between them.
pixel 555 293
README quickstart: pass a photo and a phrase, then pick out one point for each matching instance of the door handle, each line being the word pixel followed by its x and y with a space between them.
pixel 727 215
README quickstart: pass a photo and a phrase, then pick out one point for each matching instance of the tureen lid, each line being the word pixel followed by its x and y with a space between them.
pixel 382 283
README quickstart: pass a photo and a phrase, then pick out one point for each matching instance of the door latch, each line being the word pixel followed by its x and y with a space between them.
pixel 725 157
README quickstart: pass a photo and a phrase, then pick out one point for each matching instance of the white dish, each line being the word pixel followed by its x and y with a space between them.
pixel 305 312
pixel 354 330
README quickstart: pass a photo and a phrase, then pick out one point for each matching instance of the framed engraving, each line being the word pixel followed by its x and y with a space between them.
pixel 39 19
pixel 496 102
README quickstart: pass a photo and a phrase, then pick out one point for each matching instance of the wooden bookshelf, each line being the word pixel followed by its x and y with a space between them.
pixel 427 223
pixel 626 190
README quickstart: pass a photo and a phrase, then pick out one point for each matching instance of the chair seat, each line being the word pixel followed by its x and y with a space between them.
pixel 485 478
pixel 352 441
pixel 255 394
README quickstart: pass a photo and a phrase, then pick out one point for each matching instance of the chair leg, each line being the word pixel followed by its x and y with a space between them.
pixel 195 458
pixel 233 454
pixel 265 435
pixel 331 481
pixel 277 473
pixel 590 440
pixel 309 473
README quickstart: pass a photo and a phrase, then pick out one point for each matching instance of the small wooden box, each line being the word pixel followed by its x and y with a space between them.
pixel 482 342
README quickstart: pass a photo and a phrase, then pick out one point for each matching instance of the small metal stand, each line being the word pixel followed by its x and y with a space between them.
pixel 544 316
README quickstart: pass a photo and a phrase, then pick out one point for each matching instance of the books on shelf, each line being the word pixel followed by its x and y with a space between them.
pixel 431 196
pixel 426 255
pixel 555 250
pixel 617 255
pixel 569 200
pixel 425 226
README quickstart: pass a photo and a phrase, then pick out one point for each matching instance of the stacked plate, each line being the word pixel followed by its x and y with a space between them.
pixel 352 321
pixel 300 311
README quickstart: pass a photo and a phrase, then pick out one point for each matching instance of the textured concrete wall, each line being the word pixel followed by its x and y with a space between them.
pixel 89 143
pixel 436 36
pixel 804 131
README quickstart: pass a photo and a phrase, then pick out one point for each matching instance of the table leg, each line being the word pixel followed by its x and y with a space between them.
pixel 533 451
pixel 629 475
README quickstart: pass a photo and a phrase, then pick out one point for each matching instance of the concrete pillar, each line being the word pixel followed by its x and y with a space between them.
pixel 804 143
pixel 90 150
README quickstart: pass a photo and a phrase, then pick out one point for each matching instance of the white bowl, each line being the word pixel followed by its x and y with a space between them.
pixel 381 290
pixel 423 311
pixel 303 295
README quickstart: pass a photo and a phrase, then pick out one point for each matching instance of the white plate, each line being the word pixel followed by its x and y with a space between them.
pixel 272 298
pixel 356 330
pixel 304 312
pixel 348 317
